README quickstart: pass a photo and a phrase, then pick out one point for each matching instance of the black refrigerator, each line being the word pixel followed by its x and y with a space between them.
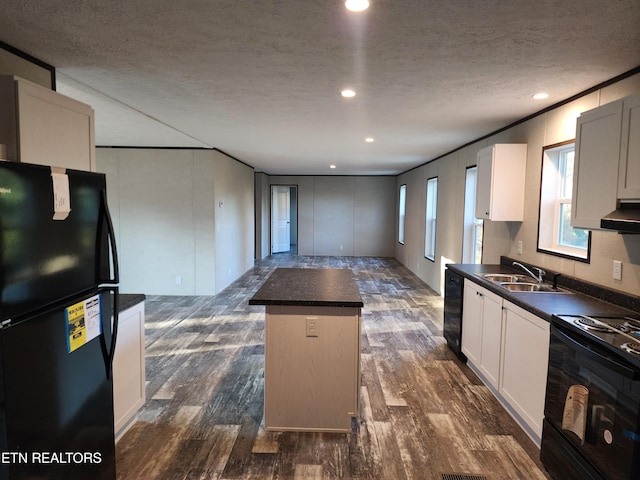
pixel 58 292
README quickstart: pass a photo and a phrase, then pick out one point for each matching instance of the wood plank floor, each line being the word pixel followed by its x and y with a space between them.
pixel 423 412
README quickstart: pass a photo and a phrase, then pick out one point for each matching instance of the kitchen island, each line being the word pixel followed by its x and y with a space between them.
pixel 312 349
pixel 129 363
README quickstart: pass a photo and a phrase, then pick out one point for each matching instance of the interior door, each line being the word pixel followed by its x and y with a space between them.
pixel 280 219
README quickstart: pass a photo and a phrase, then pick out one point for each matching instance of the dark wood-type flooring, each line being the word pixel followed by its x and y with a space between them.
pixel 423 412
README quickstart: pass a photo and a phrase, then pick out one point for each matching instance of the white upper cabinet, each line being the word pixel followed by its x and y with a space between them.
pixel 41 126
pixel 501 180
pixel 607 161
pixel 629 171
pixel 595 168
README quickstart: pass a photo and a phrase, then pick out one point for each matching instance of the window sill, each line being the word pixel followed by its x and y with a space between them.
pixel 565 254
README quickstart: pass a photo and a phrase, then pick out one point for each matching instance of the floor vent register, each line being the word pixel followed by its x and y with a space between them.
pixel 461 476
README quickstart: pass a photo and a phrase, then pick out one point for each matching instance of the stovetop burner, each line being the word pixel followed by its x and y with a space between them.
pixel 593 325
pixel 631 347
pixel 631 326
pixel 620 333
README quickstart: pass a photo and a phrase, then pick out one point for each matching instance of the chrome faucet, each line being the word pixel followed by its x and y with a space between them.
pixel 541 273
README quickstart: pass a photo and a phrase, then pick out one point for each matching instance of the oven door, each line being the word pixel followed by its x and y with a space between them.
pixel 593 402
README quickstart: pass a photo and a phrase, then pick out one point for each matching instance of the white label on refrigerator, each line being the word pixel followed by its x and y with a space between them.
pixel 83 322
pixel 61 197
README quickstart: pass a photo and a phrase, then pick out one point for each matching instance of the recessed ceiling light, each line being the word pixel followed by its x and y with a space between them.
pixel 541 96
pixel 356 5
pixel 348 93
pixel 368 139
pixel 332 166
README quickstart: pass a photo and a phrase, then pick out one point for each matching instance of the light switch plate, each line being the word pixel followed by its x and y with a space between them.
pixel 617 270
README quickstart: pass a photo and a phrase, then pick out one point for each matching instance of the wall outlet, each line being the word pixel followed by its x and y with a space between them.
pixel 519 247
pixel 178 280
pixel 312 326
pixel 617 270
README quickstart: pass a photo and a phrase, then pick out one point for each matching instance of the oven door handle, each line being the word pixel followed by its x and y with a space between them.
pixel 569 339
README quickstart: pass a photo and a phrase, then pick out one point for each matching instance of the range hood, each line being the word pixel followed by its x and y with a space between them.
pixel 625 218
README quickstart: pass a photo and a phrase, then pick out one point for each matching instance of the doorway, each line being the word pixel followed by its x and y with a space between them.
pixel 284 219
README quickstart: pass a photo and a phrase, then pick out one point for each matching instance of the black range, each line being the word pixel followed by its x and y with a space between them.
pixel 591 428
pixel 619 334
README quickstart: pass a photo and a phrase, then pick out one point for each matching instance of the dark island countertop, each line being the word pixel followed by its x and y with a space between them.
pixel 542 304
pixel 128 300
pixel 329 287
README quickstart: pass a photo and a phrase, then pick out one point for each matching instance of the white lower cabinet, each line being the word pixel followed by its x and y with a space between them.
pixel 129 369
pixel 481 330
pixel 491 335
pixel 472 322
pixel 525 358
pixel 508 348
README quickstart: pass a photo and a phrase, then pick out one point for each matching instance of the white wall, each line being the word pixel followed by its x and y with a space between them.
pixel 234 219
pixel 500 238
pixel 343 215
pixel 262 215
pixel 179 213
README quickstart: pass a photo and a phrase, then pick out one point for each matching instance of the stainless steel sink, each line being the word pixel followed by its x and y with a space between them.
pixel 504 277
pixel 519 283
pixel 529 287
pixel 499 277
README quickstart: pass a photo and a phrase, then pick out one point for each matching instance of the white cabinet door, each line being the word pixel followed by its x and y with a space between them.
pixel 501 180
pixel 629 178
pixel 482 330
pixel 525 358
pixel 483 188
pixel 472 323
pixel 129 368
pixel 595 171
pixel 491 337
pixel 44 127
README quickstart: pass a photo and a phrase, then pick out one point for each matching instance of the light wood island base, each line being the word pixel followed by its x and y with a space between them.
pixel 312 368
pixel 312 349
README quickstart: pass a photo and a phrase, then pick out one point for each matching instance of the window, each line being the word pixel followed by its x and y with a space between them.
pixel 555 233
pixel 431 208
pixel 401 212
pixel 473 227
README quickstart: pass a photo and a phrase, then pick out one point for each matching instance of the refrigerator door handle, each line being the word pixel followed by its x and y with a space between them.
pixel 110 323
pixel 105 217
pixel 113 277
pixel 114 331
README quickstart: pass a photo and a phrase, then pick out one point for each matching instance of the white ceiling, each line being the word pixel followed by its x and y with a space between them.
pixel 261 80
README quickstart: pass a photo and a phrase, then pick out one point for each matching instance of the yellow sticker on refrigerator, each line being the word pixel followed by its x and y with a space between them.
pixel 83 322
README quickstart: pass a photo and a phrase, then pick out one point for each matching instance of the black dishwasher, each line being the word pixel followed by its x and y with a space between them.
pixel 453 293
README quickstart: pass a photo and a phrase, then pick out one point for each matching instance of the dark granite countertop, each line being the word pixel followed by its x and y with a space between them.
pixel 128 300
pixel 542 304
pixel 329 287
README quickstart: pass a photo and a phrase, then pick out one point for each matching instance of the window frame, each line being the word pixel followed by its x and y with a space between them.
pixel 402 210
pixel 471 224
pixel 431 219
pixel 553 246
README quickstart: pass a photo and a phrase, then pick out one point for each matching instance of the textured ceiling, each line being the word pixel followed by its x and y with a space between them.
pixel 260 80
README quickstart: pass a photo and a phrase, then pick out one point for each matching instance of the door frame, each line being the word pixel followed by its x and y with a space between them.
pixel 293 201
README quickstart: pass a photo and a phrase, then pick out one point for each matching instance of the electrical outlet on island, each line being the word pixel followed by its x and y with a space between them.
pixel 617 270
